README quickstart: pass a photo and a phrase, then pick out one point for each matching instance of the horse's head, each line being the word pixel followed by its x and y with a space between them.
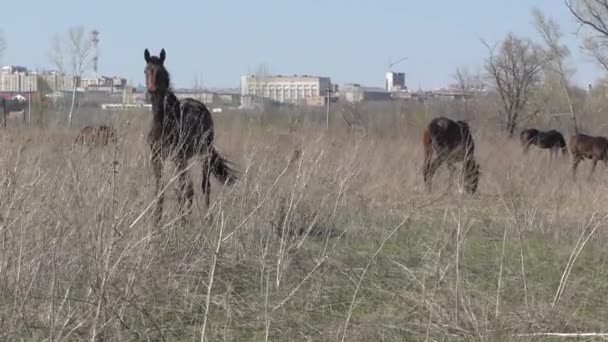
pixel 157 77
pixel 472 174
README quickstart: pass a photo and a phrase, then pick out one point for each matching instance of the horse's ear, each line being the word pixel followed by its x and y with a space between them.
pixel 147 56
pixel 162 55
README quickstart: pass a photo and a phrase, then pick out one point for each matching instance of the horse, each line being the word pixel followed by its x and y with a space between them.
pixel 551 139
pixel 452 142
pixel 180 131
pixel 584 146
pixel 101 135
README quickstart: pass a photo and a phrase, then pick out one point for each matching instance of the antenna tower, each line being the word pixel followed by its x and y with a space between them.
pixel 95 40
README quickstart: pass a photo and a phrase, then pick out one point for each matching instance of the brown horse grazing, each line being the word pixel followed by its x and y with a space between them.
pixel 551 139
pixel 452 142
pixel 180 131
pixel 96 136
pixel 584 146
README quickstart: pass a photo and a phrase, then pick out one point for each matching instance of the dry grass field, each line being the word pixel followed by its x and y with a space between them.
pixel 342 244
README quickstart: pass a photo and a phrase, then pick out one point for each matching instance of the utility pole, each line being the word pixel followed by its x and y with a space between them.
pixel 328 99
pixel 3 112
pixel 29 107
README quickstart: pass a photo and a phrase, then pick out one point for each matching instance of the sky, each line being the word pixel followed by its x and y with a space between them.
pixel 351 41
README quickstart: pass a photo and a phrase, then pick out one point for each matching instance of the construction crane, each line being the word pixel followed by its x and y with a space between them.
pixel 392 64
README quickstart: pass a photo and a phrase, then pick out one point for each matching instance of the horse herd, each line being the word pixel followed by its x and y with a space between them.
pixel 183 129
pixel 452 142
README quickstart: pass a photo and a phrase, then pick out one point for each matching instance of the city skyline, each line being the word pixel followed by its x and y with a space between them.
pixel 351 42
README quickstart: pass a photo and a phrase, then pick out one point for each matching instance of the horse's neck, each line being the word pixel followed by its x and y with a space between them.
pixel 164 105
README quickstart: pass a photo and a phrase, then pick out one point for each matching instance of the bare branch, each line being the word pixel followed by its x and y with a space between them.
pixel 515 69
pixel 2 44
pixel 55 54
pixel 556 53
pixel 77 47
pixel 592 15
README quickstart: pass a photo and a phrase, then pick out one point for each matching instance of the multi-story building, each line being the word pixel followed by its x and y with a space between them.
pixel 284 89
pixel 395 81
pixel 19 79
pixel 12 69
pixel 354 92
pixel 10 82
pixel 104 83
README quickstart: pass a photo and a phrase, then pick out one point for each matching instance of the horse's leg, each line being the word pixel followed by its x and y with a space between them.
pixel 206 183
pixel 426 172
pixel 593 165
pixel 157 168
pixel 432 168
pixel 426 168
pixel 575 161
pixel 452 169
pixel 184 187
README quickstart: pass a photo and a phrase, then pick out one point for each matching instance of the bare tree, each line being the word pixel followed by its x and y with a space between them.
pixel 352 113
pixel 593 15
pixel 464 84
pixel 514 69
pixel 77 47
pixel 556 56
pixel 2 44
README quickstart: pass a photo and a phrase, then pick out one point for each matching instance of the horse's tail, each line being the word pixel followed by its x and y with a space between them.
pixel 427 145
pixel 221 169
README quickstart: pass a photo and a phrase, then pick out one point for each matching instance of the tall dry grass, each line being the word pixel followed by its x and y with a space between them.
pixel 342 244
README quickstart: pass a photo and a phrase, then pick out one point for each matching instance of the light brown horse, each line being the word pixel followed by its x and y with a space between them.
pixel 584 146
pixel 101 135
pixel 453 143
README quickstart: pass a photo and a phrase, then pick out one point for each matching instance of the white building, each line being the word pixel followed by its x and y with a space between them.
pixel 395 81
pixel 19 79
pixel 284 89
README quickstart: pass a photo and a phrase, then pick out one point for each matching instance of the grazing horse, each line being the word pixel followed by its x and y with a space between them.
pixel 584 146
pixel 96 136
pixel 551 139
pixel 452 142
pixel 180 131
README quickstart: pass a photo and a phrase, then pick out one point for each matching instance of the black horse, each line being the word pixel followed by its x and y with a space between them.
pixel 180 131
pixel 453 143
pixel 551 139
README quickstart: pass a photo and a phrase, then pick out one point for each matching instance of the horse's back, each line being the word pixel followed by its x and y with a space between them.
pixel 192 104
pixel 450 135
pixel 84 135
pixel 197 118
pixel 550 139
pixel 197 111
pixel 589 146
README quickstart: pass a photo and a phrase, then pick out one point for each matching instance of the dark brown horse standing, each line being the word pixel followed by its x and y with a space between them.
pixel 453 143
pixel 180 131
pixel 584 146
pixel 551 139
pixel 96 136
